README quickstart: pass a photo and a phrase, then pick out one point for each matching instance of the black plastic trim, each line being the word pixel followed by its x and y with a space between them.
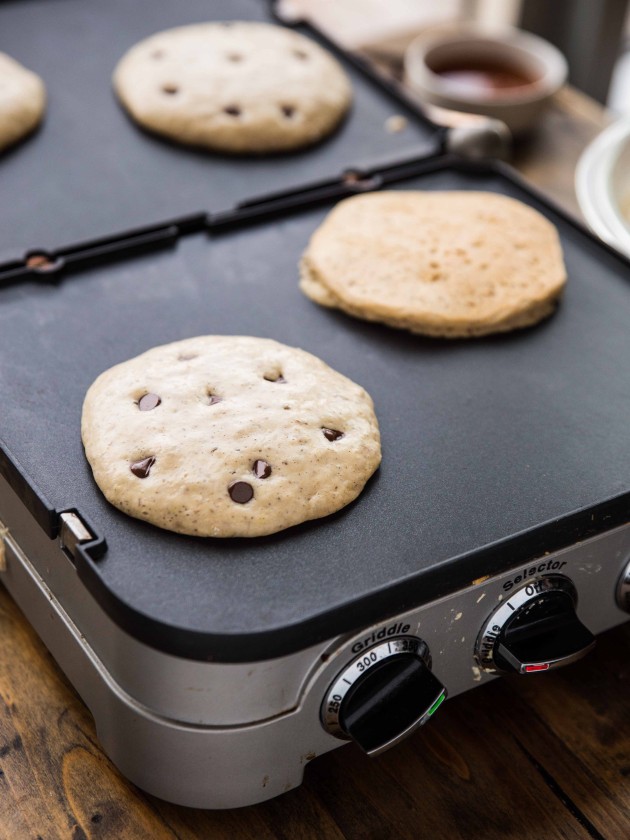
pixel 94 252
pixel 365 177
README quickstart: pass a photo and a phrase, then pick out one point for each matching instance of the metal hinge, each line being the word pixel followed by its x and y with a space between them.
pixel 72 532
pixel 488 140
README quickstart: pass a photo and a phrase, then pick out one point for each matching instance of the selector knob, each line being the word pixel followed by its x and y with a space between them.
pixel 537 629
pixel 383 695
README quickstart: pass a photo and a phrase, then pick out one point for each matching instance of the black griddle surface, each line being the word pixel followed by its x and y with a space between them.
pixel 90 171
pixel 482 440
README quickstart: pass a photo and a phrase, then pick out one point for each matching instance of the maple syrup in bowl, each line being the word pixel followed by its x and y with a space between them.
pixel 479 78
pixel 505 73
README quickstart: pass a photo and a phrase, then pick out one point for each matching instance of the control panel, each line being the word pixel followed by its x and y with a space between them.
pixel 391 678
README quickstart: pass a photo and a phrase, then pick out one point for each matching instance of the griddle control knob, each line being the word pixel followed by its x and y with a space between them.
pixel 537 629
pixel 623 589
pixel 383 695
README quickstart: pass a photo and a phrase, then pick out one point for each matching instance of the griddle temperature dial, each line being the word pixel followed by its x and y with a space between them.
pixel 536 630
pixel 383 695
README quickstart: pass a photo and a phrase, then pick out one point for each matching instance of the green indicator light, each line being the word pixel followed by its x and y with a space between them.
pixel 437 704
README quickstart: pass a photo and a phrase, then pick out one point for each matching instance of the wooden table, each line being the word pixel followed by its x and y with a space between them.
pixel 530 758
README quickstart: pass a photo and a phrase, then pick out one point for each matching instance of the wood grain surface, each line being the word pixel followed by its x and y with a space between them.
pixel 534 758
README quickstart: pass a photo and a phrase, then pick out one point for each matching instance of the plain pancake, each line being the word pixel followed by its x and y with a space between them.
pixel 448 264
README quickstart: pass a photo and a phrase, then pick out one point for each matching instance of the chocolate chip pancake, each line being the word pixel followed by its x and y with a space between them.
pixel 223 436
pixel 234 87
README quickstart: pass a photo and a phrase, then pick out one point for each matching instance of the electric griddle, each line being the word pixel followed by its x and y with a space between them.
pixel 495 537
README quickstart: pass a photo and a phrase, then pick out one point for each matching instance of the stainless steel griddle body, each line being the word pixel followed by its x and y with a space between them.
pixel 506 469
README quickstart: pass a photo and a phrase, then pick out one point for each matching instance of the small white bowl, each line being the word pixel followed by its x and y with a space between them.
pixel 542 66
pixel 602 184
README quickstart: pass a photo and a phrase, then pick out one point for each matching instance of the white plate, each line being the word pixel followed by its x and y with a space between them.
pixel 602 184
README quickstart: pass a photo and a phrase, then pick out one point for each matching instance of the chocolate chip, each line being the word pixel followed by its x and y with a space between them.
pixel 232 110
pixel 241 492
pixel 332 434
pixel 143 468
pixel 170 89
pixel 261 469
pixel 287 110
pixel 213 399
pixel 149 402
pixel 275 377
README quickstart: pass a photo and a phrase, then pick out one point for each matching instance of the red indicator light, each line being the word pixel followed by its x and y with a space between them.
pixel 530 669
